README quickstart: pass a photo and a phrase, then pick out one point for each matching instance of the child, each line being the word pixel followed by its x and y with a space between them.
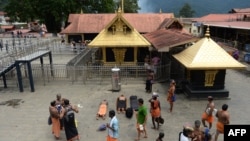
pixel 160 137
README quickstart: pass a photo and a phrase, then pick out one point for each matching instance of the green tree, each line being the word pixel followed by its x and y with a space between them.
pixel 49 12
pixel 186 11
pixel 53 12
pixel 2 4
pixel 130 6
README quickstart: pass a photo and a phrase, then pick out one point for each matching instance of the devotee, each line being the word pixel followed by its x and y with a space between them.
pixel 113 127
pixel 198 132
pixel 155 110
pixel 223 119
pixel 171 95
pixel 160 137
pixel 141 119
pixel 103 106
pixel 155 61
pixel 121 104
pixel 69 121
pixel 59 107
pixel 208 113
pixel 186 134
pixel 149 81
pixel 55 117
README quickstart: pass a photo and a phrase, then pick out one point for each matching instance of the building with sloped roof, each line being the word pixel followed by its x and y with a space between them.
pixel 231 28
pixel 204 65
pixel 122 34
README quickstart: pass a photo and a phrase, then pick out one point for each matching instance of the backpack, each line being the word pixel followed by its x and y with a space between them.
pixel 133 102
pixel 129 113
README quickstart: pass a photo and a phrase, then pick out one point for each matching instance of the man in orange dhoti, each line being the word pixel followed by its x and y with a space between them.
pixel 155 109
pixel 208 113
pixel 171 94
pixel 223 119
pixel 102 110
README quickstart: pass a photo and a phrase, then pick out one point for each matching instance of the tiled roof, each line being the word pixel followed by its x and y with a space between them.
pixel 169 22
pixel 218 18
pixel 2 13
pixel 148 22
pixel 207 54
pixel 234 24
pixel 87 23
pixel 243 10
pixel 94 23
pixel 163 39
pixel 7 26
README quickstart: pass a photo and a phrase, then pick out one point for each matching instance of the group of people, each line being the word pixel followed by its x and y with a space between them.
pixel 198 133
pixel 142 116
pixel 222 117
pixel 63 118
pixel 62 115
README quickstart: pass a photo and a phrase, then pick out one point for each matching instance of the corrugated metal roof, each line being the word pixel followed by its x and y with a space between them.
pixel 243 10
pixel 146 22
pixel 218 18
pixel 163 39
pixel 235 24
pixel 207 54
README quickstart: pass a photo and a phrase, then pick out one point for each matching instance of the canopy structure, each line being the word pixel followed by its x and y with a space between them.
pixel 207 54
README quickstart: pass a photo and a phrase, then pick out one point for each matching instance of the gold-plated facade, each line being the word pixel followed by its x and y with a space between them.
pixel 119 55
pixel 119 35
pixel 210 77
pixel 206 55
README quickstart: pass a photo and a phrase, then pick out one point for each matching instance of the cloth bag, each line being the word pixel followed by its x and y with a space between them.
pixel 49 120
pixel 160 120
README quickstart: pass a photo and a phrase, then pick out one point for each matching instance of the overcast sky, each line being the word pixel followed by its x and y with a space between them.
pixel 201 7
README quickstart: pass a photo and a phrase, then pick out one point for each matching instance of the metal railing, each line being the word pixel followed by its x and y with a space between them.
pixel 92 73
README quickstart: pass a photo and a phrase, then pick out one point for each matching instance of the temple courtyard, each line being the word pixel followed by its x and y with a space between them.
pixel 24 116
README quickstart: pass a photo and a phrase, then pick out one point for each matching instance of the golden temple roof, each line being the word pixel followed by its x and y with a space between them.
pixel 119 33
pixel 207 54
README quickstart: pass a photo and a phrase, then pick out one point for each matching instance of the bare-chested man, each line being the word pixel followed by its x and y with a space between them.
pixel 223 119
pixel 198 131
pixel 59 105
pixel 208 113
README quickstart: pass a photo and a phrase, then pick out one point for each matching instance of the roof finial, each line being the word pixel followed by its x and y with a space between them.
pixel 160 10
pixel 207 32
pixel 81 11
pixel 119 10
pixel 122 6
